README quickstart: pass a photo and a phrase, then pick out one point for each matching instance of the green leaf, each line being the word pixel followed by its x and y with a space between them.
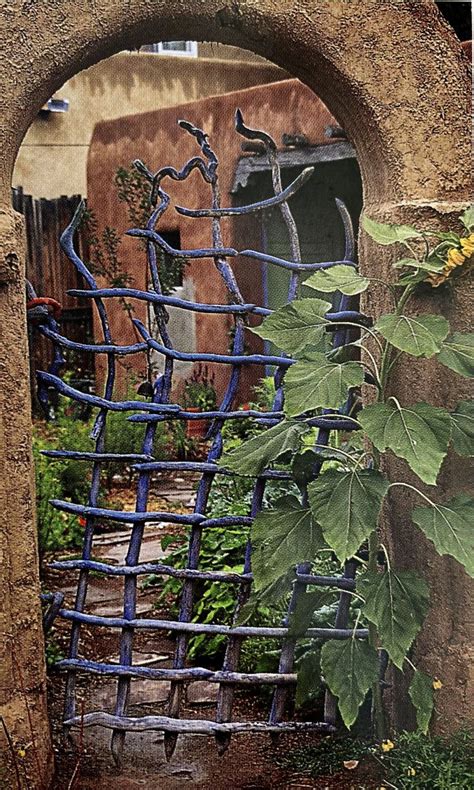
pixel 253 456
pixel 457 353
pixel 350 667
pixel 421 694
pixel 314 383
pixel 420 434
pixel 308 684
pixel 388 234
pixel 462 434
pixel 304 463
pixel 467 218
pixel 306 604
pixel 296 325
pixel 282 537
pixel 430 265
pixel 397 603
pixel 420 336
pixel 347 506
pixel 450 527
pixel 273 593
pixel 338 278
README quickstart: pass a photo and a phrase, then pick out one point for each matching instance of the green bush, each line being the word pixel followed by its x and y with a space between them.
pixel 421 762
pixel 60 479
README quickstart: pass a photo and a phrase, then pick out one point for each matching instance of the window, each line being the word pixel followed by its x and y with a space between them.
pixel 179 48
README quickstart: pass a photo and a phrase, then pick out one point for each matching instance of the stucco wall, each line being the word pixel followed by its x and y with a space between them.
pixel 52 158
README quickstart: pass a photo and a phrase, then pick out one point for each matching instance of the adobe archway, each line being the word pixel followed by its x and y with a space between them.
pixel 394 75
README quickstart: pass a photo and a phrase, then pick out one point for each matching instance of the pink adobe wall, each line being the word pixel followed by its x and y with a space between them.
pixel 155 137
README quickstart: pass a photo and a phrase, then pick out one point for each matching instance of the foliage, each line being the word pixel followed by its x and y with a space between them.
pixel 59 479
pixel 199 391
pixel 133 189
pixel 123 436
pixel 346 485
pixel 221 549
pixel 418 762
pixel 325 758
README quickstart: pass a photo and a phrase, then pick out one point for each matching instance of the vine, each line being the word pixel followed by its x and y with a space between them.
pixel 342 510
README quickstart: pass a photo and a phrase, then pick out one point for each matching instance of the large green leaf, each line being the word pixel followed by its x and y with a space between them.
pixel 296 325
pixel 467 218
pixel 274 593
pixel 397 603
pixel 432 264
pixel 314 383
pixel 253 456
pixel 308 683
pixel 282 537
pixel 306 604
pixel 388 234
pixel 347 506
pixel 420 336
pixel 420 434
pixel 450 527
pixel 350 667
pixel 421 694
pixel 338 278
pixel 457 353
pixel 462 434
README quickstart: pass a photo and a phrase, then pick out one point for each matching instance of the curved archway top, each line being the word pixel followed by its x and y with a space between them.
pixel 393 73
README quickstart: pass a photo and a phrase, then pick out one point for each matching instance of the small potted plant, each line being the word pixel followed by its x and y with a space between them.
pixel 199 395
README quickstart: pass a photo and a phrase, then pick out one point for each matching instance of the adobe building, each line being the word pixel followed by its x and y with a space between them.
pixel 53 154
pixel 306 134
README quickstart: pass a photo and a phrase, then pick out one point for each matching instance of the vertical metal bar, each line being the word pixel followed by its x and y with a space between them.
pixel 226 693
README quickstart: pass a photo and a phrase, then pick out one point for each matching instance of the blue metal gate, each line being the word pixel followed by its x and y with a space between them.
pixel 161 408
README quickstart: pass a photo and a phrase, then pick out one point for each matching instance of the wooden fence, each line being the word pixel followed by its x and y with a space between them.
pixel 52 274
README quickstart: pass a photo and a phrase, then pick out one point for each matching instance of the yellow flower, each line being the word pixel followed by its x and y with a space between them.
pixel 467 245
pixel 437 684
pixel 411 772
pixel 387 746
pixel 21 753
pixel 437 279
pixel 455 258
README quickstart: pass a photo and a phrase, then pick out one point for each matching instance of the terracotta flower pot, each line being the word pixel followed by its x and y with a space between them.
pixel 196 429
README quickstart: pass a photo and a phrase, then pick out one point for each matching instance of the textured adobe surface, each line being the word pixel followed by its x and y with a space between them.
pixel 395 77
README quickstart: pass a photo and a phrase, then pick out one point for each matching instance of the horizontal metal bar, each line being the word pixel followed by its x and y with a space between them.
pixel 172 301
pixel 249 208
pixel 192 726
pixel 203 466
pixel 78 455
pixel 292 265
pixel 222 359
pixel 103 403
pixel 184 675
pixel 153 236
pixel 208 628
pixel 150 568
pixel 93 348
pixel 125 516
pixel 182 414
pixel 134 517
pixel 185 573
pixel 326 581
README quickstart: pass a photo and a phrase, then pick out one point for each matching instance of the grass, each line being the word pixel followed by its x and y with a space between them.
pixel 416 761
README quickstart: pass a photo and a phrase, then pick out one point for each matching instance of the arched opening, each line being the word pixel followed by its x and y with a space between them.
pixel 324 51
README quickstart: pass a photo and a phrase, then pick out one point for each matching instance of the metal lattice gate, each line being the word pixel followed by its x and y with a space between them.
pixel 151 413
